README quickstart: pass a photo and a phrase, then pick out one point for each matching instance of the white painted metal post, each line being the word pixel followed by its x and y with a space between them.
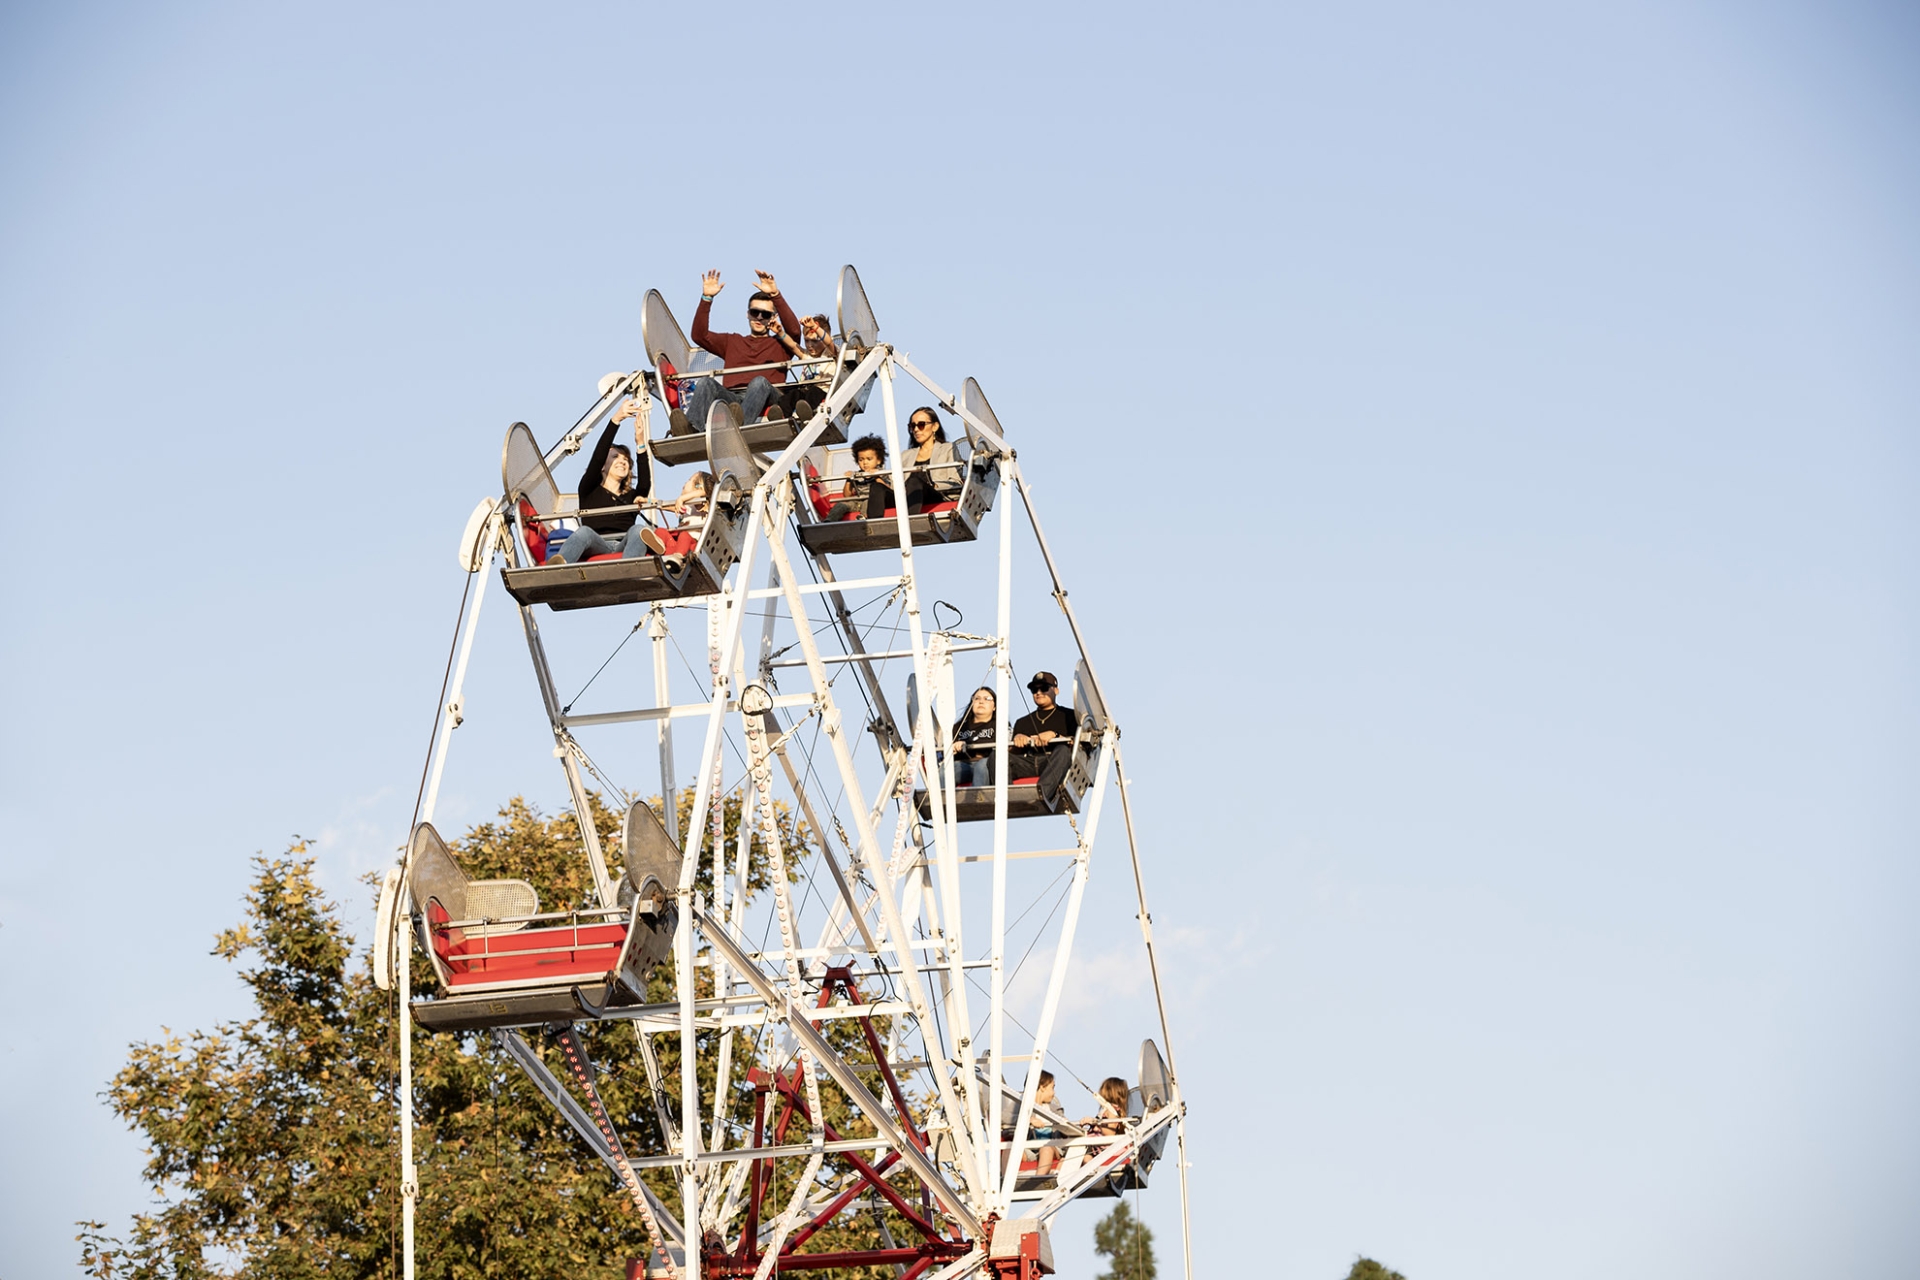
pixel 1056 981
pixel 663 697
pixel 734 602
pixel 1002 766
pixel 450 715
pixel 409 1176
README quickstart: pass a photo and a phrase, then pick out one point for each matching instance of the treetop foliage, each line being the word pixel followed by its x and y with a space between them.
pixel 1128 1242
pixel 273 1143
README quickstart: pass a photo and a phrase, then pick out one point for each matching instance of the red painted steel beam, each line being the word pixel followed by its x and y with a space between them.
pixel 931 1252
pixel 866 1171
pixel 845 977
pixel 833 1207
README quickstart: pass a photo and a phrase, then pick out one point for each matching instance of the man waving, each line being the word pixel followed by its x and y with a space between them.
pixel 767 313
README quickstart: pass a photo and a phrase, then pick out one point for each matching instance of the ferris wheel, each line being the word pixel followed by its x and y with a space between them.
pixel 875 960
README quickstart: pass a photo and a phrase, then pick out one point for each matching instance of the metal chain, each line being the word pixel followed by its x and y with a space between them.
pixel 577 1062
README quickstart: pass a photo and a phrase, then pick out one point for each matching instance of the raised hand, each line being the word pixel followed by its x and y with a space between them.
pixel 628 408
pixel 710 285
pixel 766 283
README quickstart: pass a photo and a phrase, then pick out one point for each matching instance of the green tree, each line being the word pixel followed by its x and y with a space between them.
pixel 273 1143
pixel 1128 1242
pixel 1368 1269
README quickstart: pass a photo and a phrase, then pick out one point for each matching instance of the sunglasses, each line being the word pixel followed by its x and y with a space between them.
pixel 761 315
pixel 922 423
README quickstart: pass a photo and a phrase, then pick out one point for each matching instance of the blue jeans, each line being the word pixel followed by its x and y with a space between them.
pixel 972 771
pixel 584 542
pixel 752 399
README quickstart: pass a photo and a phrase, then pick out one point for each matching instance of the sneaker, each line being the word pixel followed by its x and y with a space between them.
pixel 678 424
pixel 803 412
pixel 653 541
pixel 674 563
pixel 554 559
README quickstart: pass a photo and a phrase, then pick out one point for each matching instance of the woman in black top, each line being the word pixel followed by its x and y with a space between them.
pixel 609 481
pixel 973 738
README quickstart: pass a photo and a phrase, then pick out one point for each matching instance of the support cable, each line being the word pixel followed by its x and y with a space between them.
pixel 603 666
pixel 440 707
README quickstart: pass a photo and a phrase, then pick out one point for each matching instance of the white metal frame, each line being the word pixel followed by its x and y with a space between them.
pixel 875 902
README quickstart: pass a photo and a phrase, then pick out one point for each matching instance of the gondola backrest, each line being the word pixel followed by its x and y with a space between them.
pixel 435 883
pixel 727 449
pixel 974 401
pixel 524 475
pixel 1087 703
pixel 664 338
pixel 857 325
pixel 647 849
pixel 1154 1092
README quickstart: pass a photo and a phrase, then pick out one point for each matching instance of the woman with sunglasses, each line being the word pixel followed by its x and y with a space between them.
pixel 934 471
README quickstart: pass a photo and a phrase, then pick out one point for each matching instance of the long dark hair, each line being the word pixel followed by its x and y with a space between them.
pixel 939 427
pixel 633 472
pixel 966 717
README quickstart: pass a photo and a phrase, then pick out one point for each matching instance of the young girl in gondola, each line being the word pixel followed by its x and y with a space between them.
pixel 1112 1117
pixel 691 506
pixel 1049 1156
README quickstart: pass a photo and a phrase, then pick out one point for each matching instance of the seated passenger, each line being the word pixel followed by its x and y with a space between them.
pixel 972 744
pixel 608 481
pixel 672 545
pixel 1043 738
pixel 753 392
pixel 1047 1157
pixel 1112 1118
pixel 810 381
pixel 869 490
pixel 925 485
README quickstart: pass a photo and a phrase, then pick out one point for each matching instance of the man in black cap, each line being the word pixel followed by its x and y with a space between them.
pixel 1043 738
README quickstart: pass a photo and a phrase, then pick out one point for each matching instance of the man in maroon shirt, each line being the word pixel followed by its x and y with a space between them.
pixel 766 310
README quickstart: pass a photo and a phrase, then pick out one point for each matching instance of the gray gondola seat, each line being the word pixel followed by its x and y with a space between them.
pixel 1044 1118
pixel 975 803
pixel 1150 1095
pixel 675 366
pixel 1153 1092
pixel 531 968
pixel 608 579
pixel 942 522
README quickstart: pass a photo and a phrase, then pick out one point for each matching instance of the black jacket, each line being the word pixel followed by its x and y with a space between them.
pixel 592 494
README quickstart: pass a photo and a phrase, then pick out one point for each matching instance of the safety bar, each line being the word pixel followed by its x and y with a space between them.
pixel 688 375
pixel 542 915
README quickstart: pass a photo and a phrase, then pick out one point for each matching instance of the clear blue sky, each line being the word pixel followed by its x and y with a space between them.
pixel 1481 440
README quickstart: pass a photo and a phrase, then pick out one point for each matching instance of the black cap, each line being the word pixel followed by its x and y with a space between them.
pixel 1042 680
